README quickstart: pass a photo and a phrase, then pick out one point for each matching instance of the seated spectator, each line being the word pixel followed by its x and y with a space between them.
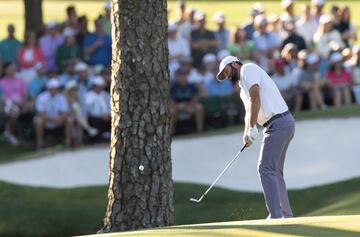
pixel 84 82
pixel 49 44
pixel 10 46
pixel 29 55
pixel 222 34
pixel 68 52
pixel 97 46
pixel 52 115
pixel 38 84
pixel 98 107
pixel 202 41
pixel 79 121
pixel 346 28
pixel 306 27
pixel 339 79
pixel 288 85
pixel 289 55
pixel 68 75
pixel 311 81
pixel 15 92
pixel 288 7
pixel 355 71
pixel 241 46
pixel 326 36
pixel 184 97
pixel 178 49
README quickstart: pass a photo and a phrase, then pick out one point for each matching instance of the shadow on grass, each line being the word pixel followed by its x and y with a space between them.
pixel 292 229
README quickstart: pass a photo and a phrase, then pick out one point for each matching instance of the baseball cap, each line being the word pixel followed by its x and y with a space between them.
pixel 286 3
pixel 52 83
pixel 312 58
pixel 199 16
pixel 70 84
pixel 68 32
pixel 98 81
pixel 81 66
pixel 208 58
pixel 259 7
pixel 219 17
pixel 318 2
pixel 51 24
pixel 336 57
pixel 224 62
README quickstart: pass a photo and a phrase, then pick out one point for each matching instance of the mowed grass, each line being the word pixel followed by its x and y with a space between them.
pixel 29 211
pixel 237 12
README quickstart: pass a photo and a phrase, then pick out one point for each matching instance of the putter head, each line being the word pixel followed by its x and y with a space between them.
pixel 195 200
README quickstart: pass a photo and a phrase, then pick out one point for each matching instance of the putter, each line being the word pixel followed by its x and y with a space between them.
pixel 236 156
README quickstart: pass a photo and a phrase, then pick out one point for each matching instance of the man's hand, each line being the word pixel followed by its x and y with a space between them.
pixel 251 135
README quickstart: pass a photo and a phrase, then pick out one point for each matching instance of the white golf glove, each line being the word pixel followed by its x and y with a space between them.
pixel 253 133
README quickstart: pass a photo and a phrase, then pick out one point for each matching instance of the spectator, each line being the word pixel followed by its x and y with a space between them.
pixel 38 84
pixel 346 28
pixel 222 34
pixel 97 46
pixel 293 37
pixel 79 121
pixel 266 43
pixel 83 80
pixel 241 46
pixel 10 46
pixel 182 22
pixel 326 37
pixel 317 10
pixel 288 85
pixel 98 107
pixel 305 26
pixel 203 41
pixel 68 75
pixel 184 96
pixel 29 55
pixel 250 26
pixel 289 55
pixel 15 91
pixel 107 18
pixel 339 79
pixel 105 73
pixel 288 7
pixel 82 33
pixel 49 44
pixel 52 115
pixel 72 19
pixel 68 52
pixel 178 49
pixel 355 69
pixel 335 14
pixel 311 82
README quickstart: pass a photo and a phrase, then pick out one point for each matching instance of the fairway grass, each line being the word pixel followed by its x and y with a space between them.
pixel 325 226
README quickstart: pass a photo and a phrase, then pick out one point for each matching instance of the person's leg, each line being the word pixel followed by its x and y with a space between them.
pixel 199 116
pixel 347 95
pixel 337 97
pixel 39 123
pixel 68 125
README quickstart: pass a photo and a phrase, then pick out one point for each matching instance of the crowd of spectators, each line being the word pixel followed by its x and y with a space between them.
pixel 58 81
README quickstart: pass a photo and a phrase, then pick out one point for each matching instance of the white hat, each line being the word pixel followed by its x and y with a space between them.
pixel 318 2
pixel 209 58
pixel 172 27
pixel 259 7
pixel 260 20
pixel 199 15
pixel 272 17
pixel 51 24
pixel 224 62
pixel 98 81
pixel 68 32
pixel 286 3
pixel 325 18
pixel 80 67
pixel 222 54
pixel 107 5
pixel 312 58
pixel 52 83
pixel 219 17
pixel 70 84
pixel 336 57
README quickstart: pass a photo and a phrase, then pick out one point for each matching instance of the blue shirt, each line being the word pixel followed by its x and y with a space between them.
pixel 183 94
pixel 216 88
pixel 36 86
pixel 101 55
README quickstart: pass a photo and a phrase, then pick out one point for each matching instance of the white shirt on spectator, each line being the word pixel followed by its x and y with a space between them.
pixel 286 81
pixel 271 101
pixel 179 46
pixel 198 78
pixel 306 29
pixel 323 42
pixel 98 104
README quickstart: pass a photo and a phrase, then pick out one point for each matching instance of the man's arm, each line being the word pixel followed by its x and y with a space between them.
pixel 254 105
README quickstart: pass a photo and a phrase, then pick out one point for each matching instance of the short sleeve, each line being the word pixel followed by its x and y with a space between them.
pixel 40 104
pixel 251 76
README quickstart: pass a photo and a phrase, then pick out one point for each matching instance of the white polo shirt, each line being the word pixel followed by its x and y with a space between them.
pixel 272 102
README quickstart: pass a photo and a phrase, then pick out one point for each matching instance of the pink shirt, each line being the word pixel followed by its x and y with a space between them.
pixel 14 89
pixel 336 79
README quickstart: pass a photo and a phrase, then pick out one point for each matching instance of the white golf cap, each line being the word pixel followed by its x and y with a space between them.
pixel 172 27
pixel 286 3
pixel 312 58
pixel 107 5
pixel 260 20
pixel 68 32
pixel 318 2
pixel 81 66
pixel 199 15
pixel 219 17
pixel 224 62
pixel 259 7
pixel 52 83
pixel 209 58
pixel 222 54
pixel 336 57
pixel 51 24
pixel 71 84
pixel 98 81
pixel 325 18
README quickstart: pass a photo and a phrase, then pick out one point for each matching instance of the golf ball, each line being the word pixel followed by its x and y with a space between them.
pixel 141 167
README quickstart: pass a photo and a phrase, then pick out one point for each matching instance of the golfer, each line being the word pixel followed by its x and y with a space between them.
pixel 265 106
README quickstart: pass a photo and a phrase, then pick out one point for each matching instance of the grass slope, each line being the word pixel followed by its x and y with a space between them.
pixel 29 211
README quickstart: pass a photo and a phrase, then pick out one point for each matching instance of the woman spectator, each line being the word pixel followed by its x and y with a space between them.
pixel 339 79
pixel 346 28
pixel 29 55
pixel 241 46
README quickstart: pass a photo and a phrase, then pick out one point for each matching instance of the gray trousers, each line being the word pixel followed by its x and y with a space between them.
pixel 277 137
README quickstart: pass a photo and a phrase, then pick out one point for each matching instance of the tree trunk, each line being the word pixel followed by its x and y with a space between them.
pixel 139 199
pixel 33 15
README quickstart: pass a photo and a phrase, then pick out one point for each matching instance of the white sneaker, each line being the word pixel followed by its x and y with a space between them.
pixel 93 132
pixel 11 138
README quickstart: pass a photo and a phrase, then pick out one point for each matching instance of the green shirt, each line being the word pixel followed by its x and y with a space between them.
pixel 9 49
pixel 242 52
pixel 65 53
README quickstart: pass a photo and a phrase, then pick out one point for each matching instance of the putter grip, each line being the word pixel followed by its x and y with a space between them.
pixel 243 148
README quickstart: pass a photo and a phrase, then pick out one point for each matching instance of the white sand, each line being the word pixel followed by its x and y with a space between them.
pixel 322 151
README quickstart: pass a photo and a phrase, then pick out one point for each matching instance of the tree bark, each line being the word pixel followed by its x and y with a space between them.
pixel 33 15
pixel 141 128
